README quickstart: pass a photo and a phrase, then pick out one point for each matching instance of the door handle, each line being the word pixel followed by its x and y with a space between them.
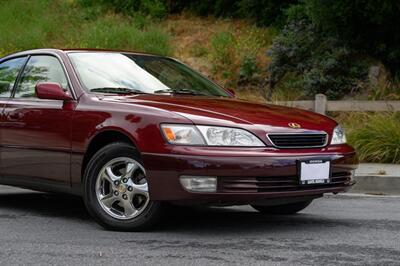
pixel 13 116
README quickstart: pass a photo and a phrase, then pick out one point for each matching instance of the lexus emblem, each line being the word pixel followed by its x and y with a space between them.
pixel 294 125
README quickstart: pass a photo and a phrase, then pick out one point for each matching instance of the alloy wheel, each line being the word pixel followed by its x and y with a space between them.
pixel 121 188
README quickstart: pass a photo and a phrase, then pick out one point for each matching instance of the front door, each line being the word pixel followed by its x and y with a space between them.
pixel 36 132
pixel 9 71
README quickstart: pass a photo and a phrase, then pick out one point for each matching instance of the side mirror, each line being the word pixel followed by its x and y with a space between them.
pixel 51 91
pixel 232 92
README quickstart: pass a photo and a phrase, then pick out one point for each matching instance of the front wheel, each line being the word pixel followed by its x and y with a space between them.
pixel 285 209
pixel 116 192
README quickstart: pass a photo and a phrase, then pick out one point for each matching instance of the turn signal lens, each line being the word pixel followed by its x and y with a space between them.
pixel 182 134
pixel 169 134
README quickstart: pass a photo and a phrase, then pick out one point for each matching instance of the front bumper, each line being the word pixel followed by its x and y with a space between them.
pixel 244 179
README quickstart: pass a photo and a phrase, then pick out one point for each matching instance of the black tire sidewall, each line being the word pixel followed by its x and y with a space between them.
pixel 145 220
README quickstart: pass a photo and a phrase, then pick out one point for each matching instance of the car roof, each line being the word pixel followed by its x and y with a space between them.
pixel 105 50
pixel 72 50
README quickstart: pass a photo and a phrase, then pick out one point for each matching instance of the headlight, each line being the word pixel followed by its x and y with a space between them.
pixel 338 136
pixel 209 135
pixel 226 136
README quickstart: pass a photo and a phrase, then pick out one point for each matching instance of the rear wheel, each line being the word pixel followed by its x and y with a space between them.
pixel 116 191
pixel 285 209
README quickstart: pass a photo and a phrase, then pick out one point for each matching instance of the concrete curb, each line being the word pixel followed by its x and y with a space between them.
pixel 377 185
pixel 378 169
pixel 377 179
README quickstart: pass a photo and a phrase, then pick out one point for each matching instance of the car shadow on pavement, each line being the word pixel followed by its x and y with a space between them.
pixel 43 204
pixel 175 219
pixel 227 220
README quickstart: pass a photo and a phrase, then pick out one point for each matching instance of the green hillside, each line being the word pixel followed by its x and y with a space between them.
pixel 279 50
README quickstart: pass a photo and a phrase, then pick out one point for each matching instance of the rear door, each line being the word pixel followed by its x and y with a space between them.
pixel 36 132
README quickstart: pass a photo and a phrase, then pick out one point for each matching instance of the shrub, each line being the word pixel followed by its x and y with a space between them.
pixel 289 89
pixel 219 8
pixel 238 54
pixel 248 67
pixel 222 49
pixel 378 139
pixel 152 8
pixel 369 26
pixel 266 12
pixel 321 62
pixel 263 13
pixel 323 42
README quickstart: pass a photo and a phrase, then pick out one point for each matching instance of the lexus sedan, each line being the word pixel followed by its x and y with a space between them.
pixel 132 132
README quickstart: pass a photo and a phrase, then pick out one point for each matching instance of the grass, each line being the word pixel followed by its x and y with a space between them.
pixel 231 52
pixel 28 24
pixel 375 136
pixel 224 50
pixel 115 32
pixel 222 47
pixel 25 25
pixel 385 90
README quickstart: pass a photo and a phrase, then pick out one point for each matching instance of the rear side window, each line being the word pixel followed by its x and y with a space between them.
pixel 40 68
pixel 8 74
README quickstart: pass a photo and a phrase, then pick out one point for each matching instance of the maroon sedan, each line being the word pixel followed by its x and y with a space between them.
pixel 131 132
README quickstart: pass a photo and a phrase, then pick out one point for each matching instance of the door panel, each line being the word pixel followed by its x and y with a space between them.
pixel 35 132
pixel 9 71
pixel 36 140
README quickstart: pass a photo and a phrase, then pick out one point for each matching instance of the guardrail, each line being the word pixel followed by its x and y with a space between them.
pixel 322 105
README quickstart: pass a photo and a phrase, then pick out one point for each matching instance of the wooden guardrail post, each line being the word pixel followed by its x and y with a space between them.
pixel 320 104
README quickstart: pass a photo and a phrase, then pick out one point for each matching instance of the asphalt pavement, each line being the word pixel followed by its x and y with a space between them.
pixel 46 229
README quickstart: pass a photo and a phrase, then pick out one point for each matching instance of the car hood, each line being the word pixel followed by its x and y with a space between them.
pixel 231 112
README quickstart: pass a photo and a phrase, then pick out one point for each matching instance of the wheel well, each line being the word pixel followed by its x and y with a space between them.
pixel 101 140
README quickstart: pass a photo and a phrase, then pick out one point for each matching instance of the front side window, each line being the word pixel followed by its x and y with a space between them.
pixel 125 73
pixel 8 74
pixel 40 68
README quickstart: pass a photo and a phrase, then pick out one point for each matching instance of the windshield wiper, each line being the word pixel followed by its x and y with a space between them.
pixel 181 91
pixel 118 90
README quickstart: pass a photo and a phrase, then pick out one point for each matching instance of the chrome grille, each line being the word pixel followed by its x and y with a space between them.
pixel 305 140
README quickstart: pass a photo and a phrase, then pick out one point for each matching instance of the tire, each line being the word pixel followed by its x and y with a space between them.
pixel 114 190
pixel 286 209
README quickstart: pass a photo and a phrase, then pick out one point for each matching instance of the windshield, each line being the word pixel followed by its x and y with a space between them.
pixel 108 72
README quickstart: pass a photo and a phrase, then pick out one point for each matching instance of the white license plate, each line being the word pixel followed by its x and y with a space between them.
pixel 315 172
